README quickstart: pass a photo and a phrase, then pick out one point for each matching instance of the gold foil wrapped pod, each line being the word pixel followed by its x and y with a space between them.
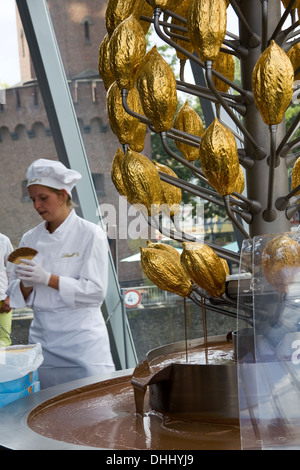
pixel 164 246
pixel 182 11
pixel 219 158
pixel 157 88
pixel 272 83
pixel 223 64
pixel 287 2
pixel 171 195
pixel 225 266
pixel 294 56
pixel 119 10
pixel 296 175
pixel 103 63
pixel 281 262
pixel 142 182
pixel 206 22
pixel 165 271
pixel 240 181
pixel 146 10
pixel 189 121
pixel 165 4
pixel 116 172
pixel 122 124
pixel 204 267
pixel 127 50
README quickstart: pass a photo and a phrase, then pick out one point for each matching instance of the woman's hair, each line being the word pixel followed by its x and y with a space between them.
pixel 69 202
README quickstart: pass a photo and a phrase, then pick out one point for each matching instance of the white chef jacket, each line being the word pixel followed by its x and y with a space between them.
pixel 5 267
pixel 68 322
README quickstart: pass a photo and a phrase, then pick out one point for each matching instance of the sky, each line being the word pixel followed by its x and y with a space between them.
pixel 9 69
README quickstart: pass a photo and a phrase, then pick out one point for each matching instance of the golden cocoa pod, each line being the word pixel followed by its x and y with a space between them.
pixel 137 142
pixel 189 121
pixel 146 10
pixel 127 49
pixel 118 11
pixel 182 11
pixel 296 175
pixel 287 2
pixel 225 266
pixel 165 271
pixel 122 124
pixel 171 195
pixel 165 4
pixel 103 63
pixel 164 246
pixel 223 64
pixel 157 88
pixel 116 172
pixel 240 181
pixel 294 56
pixel 204 267
pixel 281 262
pixel 219 158
pixel 206 22
pixel 272 83
pixel 142 182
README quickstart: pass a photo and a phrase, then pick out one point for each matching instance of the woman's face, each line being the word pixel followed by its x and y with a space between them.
pixel 50 205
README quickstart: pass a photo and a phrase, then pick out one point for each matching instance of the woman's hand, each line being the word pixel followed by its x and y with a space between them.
pixel 5 306
pixel 31 273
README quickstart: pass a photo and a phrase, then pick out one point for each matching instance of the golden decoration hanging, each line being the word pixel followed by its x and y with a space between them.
pixel 123 125
pixel 157 88
pixel 294 56
pixel 127 50
pixel 204 267
pixel 287 2
pixel 171 195
pixel 206 22
pixel 223 64
pixel 219 158
pixel 240 181
pixel 165 4
pixel 272 83
pixel 189 121
pixel 119 10
pixel 103 63
pixel 116 172
pixel 146 10
pixel 164 269
pixel 164 246
pixel 281 262
pixel 182 11
pixel 296 175
pixel 141 182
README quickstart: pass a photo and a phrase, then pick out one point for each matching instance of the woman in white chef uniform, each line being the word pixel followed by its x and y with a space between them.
pixel 66 282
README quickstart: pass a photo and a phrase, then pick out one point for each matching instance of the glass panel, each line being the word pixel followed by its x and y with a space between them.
pixel 268 361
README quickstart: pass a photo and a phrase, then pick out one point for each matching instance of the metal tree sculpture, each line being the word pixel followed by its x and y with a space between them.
pixel 142 91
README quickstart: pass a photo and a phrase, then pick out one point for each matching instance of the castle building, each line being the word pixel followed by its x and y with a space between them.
pixel 25 133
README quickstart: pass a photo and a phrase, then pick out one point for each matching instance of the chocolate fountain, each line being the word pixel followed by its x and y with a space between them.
pixel 238 391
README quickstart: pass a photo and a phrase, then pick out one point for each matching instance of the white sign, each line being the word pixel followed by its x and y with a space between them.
pixel 132 298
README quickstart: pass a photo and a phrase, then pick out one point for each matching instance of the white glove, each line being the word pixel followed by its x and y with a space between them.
pixel 31 273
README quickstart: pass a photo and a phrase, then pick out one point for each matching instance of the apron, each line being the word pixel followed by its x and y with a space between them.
pixel 75 344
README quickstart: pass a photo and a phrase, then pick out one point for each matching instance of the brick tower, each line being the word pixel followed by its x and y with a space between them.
pixel 25 134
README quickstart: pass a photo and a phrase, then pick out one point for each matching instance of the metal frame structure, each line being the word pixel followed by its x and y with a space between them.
pixel 57 99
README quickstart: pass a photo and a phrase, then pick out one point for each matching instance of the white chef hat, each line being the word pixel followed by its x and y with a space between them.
pixel 53 174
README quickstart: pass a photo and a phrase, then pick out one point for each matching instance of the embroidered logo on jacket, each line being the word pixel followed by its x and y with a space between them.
pixel 67 255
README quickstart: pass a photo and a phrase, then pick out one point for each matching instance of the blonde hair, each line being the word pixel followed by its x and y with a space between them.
pixel 69 202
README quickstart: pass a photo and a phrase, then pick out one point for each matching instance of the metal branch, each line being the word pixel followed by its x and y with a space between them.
pixel 259 152
pixel 269 213
pixel 288 134
pixel 253 39
pixel 185 237
pixel 246 94
pixel 282 20
pixel 282 202
pixel 232 218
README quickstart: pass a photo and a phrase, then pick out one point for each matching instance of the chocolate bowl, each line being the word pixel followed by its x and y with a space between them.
pixel 185 397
